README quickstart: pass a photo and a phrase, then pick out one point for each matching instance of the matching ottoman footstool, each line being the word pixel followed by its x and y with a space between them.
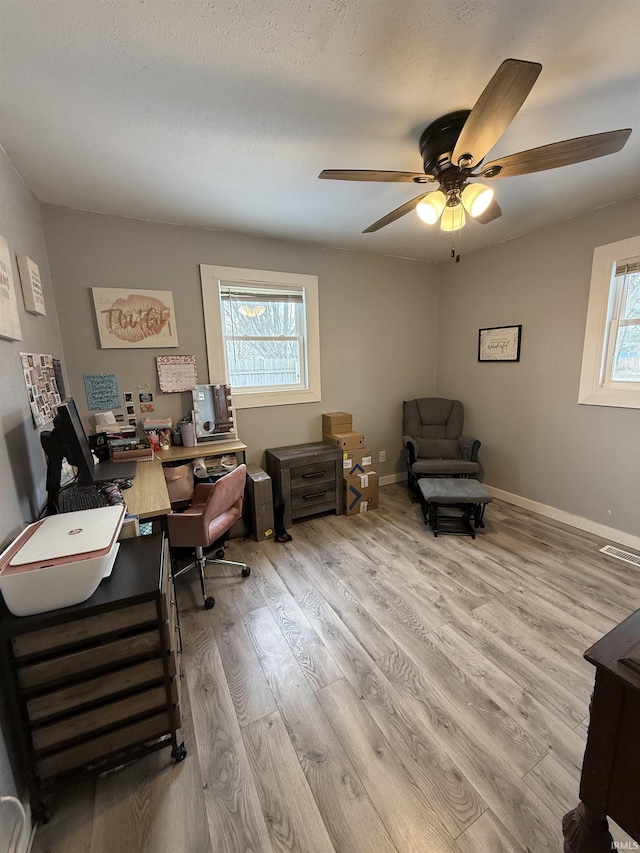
pixel 453 504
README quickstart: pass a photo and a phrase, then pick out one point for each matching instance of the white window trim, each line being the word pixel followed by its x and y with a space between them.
pixel 211 278
pixel 592 390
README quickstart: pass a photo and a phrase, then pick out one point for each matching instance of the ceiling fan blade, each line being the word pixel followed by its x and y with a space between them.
pixel 558 154
pixel 395 214
pixel 374 175
pixel 495 109
pixel 492 212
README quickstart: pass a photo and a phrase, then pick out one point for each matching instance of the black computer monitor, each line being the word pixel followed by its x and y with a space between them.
pixel 69 441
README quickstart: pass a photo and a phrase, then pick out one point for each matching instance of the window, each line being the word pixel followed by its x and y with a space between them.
pixel 611 359
pixel 262 334
pixel 622 362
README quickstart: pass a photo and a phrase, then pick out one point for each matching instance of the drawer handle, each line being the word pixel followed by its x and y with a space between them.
pixel 314 474
pixel 314 495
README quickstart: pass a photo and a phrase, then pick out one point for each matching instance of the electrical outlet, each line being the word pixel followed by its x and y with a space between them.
pixel 382 456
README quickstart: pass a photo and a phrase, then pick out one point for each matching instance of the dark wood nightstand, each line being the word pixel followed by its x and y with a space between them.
pixel 309 478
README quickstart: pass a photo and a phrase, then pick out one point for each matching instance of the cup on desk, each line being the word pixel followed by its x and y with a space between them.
pixel 188 433
pixel 154 441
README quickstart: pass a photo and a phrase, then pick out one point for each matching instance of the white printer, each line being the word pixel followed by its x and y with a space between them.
pixel 59 561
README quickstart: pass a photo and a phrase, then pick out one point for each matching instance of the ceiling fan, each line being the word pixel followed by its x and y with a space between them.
pixel 454 146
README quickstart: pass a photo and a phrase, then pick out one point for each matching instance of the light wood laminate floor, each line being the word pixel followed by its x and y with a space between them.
pixel 371 688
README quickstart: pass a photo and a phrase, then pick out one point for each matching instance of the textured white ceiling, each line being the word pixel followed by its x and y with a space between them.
pixel 222 114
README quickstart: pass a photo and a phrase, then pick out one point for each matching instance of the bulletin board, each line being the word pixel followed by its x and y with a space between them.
pixel 102 390
pixel 42 387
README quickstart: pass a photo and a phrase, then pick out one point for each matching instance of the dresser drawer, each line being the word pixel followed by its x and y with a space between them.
pixel 313 474
pixel 103 746
pixel 313 488
pixel 79 726
pixel 328 504
pixel 93 691
pixel 82 631
pixel 63 668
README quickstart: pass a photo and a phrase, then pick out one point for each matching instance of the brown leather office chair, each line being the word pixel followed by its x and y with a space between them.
pixel 214 509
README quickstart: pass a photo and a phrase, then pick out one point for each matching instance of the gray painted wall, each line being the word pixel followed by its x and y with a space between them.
pixel 537 442
pixel 22 466
pixel 377 321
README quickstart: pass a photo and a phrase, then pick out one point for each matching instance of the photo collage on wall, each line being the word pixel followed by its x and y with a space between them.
pixel 42 387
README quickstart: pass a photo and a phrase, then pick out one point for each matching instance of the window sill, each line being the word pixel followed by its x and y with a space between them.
pixel 262 399
pixel 606 397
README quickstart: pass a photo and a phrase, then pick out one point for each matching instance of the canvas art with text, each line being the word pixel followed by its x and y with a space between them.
pixel 129 319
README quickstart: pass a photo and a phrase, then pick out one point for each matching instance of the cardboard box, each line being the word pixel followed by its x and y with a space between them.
pixel 360 493
pixel 180 482
pixel 356 462
pixel 259 506
pixel 335 422
pixel 345 440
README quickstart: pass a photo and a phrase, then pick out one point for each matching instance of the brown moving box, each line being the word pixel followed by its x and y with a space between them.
pixel 345 440
pixel 356 462
pixel 334 422
pixel 360 493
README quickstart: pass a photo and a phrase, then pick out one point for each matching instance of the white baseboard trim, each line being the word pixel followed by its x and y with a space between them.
pixel 393 478
pixel 609 533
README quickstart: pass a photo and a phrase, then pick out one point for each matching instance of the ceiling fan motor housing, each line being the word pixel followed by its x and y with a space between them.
pixel 439 140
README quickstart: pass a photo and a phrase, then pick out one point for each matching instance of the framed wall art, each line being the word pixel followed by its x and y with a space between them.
pixel 9 317
pixel 130 319
pixel 31 285
pixel 499 343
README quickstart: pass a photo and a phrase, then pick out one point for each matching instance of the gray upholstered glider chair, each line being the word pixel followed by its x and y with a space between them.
pixel 433 440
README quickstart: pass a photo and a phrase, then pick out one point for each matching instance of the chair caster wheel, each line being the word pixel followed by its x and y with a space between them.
pixel 209 602
pixel 246 571
pixel 179 752
pixel 40 812
pixel 220 554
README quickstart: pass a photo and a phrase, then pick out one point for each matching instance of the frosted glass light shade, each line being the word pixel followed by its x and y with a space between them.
pixel 453 218
pixel 431 206
pixel 476 198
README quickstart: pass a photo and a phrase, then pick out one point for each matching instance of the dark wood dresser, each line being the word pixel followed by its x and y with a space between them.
pixel 95 685
pixel 610 781
pixel 308 477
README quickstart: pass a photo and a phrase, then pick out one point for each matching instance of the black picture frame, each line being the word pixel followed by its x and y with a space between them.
pixel 500 343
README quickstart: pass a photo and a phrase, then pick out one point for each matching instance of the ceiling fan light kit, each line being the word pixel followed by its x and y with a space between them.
pixel 431 206
pixel 455 144
pixel 453 218
pixel 476 198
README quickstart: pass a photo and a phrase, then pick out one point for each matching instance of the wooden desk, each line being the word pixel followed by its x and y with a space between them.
pixel 148 496
pixel 610 781
pixel 211 448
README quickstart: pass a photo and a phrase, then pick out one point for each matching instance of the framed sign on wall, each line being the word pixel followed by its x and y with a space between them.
pixel 129 319
pixel 499 343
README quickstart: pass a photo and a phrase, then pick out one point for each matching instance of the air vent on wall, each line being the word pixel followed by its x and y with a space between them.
pixel 619 554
